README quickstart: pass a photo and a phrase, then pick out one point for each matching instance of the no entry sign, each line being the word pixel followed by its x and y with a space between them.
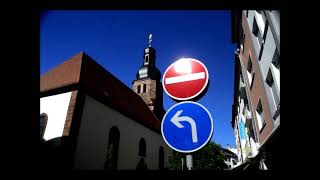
pixel 185 79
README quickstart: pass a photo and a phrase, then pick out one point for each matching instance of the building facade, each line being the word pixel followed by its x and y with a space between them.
pixel 256 108
pixel 94 121
pixel 232 158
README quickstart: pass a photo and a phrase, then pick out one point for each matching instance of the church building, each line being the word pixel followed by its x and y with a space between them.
pixel 90 120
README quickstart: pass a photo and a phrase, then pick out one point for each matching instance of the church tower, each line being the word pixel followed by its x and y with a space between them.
pixel 147 84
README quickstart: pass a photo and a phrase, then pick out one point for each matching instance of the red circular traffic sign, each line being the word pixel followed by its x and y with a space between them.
pixel 185 79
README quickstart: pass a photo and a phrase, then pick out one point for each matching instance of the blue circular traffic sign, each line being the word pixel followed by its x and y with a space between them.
pixel 187 127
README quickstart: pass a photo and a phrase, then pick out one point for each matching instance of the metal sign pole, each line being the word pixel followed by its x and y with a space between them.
pixel 189 161
pixel 182 163
pixel 182 88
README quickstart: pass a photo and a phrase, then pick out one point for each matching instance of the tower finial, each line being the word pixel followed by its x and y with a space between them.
pixel 150 39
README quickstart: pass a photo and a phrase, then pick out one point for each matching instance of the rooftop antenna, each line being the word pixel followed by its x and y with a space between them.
pixel 150 39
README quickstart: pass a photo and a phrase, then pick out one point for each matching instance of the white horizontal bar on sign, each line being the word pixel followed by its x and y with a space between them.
pixel 184 78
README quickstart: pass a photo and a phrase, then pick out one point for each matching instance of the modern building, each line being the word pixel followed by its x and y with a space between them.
pixel 256 108
pixel 232 158
pixel 91 120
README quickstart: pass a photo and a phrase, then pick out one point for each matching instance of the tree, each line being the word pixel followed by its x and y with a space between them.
pixel 210 157
pixel 175 160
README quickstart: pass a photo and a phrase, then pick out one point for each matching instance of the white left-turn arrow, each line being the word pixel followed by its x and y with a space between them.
pixel 176 121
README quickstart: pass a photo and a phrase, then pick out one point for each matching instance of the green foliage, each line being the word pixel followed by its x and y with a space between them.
pixel 210 157
pixel 175 160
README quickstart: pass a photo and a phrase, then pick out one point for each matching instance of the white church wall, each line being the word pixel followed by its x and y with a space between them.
pixel 96 122
pixel 56 107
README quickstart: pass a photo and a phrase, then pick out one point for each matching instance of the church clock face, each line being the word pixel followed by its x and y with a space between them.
pixel 146 50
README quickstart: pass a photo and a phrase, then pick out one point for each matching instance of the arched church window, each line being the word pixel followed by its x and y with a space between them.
pixel 161 158
pixel 43 124
pixel 113 149
pixel 142 147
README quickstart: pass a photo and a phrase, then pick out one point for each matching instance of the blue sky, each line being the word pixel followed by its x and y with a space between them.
pixel 116 40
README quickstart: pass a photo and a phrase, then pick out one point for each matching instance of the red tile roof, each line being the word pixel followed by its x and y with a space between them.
pixel 99 83
pixel 62 75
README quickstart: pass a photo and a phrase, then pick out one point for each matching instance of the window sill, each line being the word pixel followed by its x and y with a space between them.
pixel 264 124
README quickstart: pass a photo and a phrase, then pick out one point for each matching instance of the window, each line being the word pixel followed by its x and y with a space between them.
pixel 241 77
pixel 265 30
pixel 144 88
pixel 247 111
pixel 255 29
pixel 243 41
pixel 256 32
pixel 276 59
pixel 234 162
pixel 139 89
pixel 161 158
pixel 249 70
pixel 244 110
pixel 253 76
pixel 261 40
pixel 249 65
pixel 261 20
pixel 43 123
pixel 260 115
pixel 142 147
pixel 271 84
pixel 147 59
pixel 113 148
pixel 262 14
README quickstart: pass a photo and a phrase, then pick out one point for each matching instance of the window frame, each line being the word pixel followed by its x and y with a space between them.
pixel 276 59
pixel 256 31
pixel 273 89
pixel 250 72
pixel 112 154
pixel 260 116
